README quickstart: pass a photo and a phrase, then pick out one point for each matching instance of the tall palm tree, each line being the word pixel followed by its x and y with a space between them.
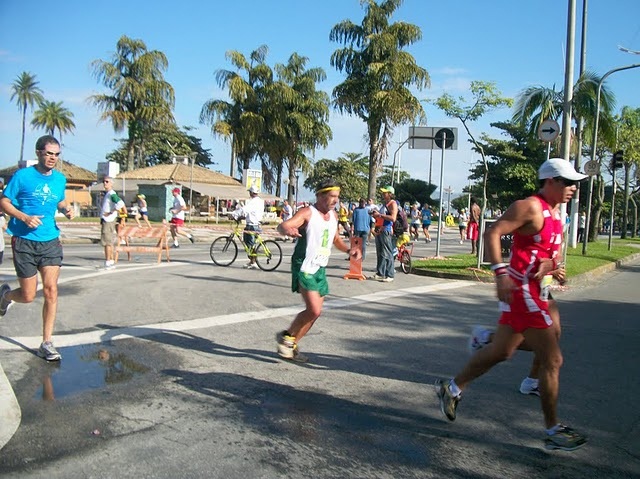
pixel 240 119
pixel 535 104
pixel 26 93
pixel 140 98
pixel 380 75
pixel 51 116
pixel 301 114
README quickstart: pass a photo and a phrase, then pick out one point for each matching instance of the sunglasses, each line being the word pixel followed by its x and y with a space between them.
pixel 565 181
pixel 51 153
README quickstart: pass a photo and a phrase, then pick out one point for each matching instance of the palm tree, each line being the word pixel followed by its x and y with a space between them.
pixel 240 120
pixel 300 115
pixel 26 92
pixel 535 104
pixel 51 116
pixel 140 98
pixel 380 75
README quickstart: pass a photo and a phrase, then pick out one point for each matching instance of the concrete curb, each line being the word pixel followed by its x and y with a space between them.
pixel 10 413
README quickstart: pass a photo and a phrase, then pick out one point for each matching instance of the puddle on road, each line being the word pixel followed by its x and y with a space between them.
pixel 86 368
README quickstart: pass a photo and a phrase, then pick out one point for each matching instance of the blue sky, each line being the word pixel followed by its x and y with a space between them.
pixel 512 43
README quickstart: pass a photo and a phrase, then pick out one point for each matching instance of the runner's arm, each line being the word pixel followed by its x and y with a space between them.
pixel 291 226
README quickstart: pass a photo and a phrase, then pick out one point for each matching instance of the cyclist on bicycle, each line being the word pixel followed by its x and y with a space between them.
pixel 252 211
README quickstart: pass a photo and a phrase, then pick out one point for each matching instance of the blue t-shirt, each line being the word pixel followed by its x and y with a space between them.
pixel 36 194
pixel 361 219
pixel 426 215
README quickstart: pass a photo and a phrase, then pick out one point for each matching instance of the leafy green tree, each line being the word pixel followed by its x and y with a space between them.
pixel 26 93
pixel 629 142
pixel 139 96
pixel 536 104
pixel 380 76
pixel 485 97
pixel 241 119
pixel 349 170
pixel 412 190
pixel 162 144
pixel 52 116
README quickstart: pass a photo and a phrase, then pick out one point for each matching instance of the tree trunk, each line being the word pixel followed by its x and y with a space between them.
pixel 635 217
pixel 374 143
pixel 131 156
pixel 596 212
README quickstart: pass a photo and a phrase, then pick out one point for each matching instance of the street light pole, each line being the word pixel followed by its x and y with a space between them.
pixel 393 168
pixel 585 236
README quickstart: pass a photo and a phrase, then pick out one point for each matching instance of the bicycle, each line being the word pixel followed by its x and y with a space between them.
pixel 404 256
pixel 224 250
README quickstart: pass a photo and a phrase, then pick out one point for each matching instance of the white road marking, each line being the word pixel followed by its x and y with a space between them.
pixel 93 337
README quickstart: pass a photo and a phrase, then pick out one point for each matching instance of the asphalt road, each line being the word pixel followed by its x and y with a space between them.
pixel 170 371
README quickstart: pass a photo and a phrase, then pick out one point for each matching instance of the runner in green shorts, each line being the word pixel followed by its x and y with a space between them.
pixel 316 229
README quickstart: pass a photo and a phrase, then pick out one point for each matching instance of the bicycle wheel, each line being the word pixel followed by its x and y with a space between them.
pixel 268 255
pixel 223 251
pixel 405 262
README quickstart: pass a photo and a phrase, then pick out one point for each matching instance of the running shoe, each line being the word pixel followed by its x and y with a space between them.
pixel 286 345
pixel 298 357
pixel 48 351
pixel 191 239
pixel 5 304
pixel 175 245
pixel 529 387
pixel 565 439
pixel 387 280
pixel 250 266
pixel 377 277
pixel 448 402
pixel 479 338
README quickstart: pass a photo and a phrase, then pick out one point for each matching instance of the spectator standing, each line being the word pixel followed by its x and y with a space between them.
pixel 362 224
pixel 110 212
pixel 31 199
pixel 414 217
pixel 385 270
pixel 463 219
pixel 473 226
pixel 286 214
pixel 582 223
pixel 343 218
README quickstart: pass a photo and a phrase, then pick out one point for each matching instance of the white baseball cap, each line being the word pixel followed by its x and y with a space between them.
pixel 253 189
pixel 559 167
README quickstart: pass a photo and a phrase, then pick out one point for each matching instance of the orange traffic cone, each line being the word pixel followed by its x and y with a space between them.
pixel 355 265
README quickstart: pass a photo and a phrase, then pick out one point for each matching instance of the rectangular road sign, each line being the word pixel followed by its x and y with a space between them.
pixel 424 137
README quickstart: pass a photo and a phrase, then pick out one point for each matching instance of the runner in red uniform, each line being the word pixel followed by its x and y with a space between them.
pixel 522 288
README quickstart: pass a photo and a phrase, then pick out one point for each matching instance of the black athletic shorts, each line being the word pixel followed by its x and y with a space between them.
pixel 29 256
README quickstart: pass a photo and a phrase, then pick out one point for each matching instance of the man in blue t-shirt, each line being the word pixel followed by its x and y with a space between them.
pixel 31 199
pixel 361 223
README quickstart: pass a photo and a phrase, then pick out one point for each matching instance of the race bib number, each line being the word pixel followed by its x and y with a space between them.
pixel 322 257
pixel 545 285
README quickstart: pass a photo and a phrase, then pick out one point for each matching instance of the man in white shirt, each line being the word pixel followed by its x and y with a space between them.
pixel 177 221
pixel 112 204
pixel 253 212
pixel 287 213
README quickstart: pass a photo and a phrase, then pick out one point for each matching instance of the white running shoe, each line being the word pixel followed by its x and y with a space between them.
pixel 480 337
pixel 529 386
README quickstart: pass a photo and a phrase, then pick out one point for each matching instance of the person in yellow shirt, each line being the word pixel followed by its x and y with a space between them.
pixel 343 219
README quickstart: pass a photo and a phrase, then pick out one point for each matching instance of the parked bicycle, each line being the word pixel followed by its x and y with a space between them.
pixel 224 250
pixel 404 256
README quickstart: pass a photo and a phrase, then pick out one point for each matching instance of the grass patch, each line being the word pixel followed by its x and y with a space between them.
pixel 597 255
